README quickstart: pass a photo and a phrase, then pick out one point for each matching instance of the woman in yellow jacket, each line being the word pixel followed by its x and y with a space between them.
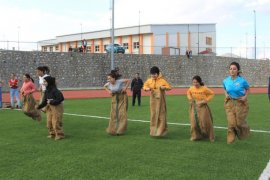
pixel 201 120
pixel 157 85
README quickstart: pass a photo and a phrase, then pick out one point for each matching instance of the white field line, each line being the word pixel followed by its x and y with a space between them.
pixel 135 120
pixel 266 173
pixel 143 121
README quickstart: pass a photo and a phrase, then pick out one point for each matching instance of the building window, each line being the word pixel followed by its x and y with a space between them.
pixel 88 48
pixel 96 48
pixel 56 47
pixel 136 45
pixel 209 49
pixel 208 41
pixel 45 49
pixel 125 45
pixel 51 49
pixel 105 46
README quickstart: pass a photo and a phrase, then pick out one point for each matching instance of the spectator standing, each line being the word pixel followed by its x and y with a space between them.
pixel 84 44
pixel 269 89
pixel 1 85
pixel 136 86
pixel 13 84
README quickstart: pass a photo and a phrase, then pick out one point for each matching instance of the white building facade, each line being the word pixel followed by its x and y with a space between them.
pixel 169 39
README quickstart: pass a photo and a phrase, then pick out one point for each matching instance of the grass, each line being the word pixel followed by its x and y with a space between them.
pixel 89 153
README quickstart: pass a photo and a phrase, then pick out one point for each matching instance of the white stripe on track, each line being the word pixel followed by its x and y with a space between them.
pixel 136 120
pixel 266 173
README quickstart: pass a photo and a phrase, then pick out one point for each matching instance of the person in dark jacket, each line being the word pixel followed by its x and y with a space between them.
pixel 53 101
pixel 136 86
pixel 269 89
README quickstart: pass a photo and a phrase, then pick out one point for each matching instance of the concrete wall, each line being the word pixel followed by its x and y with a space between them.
pixel 79 70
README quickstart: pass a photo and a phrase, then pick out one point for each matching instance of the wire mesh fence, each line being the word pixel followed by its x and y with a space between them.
pixel 262 53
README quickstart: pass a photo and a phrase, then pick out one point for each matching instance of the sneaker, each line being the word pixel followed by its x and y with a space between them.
pixel 39 118
pixel 58 138
pixel 50 136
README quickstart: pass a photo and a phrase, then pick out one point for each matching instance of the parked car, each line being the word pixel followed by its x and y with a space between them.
pixel 116 48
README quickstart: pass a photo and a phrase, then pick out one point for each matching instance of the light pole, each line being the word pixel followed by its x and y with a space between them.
pixel 18 38
pixel 198 39
pixel 81 31
pixel 139 31
pixel 254 33
pixel 246 44
pixel 112 38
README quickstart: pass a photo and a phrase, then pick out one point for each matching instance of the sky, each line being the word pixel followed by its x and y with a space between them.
pixel 35 20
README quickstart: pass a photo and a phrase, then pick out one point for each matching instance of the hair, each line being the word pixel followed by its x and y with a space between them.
pixel 51 82
pixel 198 79
pixel 114 74
pixel 154 70
pixel 29 77
pixel 237 66
pixel 44 69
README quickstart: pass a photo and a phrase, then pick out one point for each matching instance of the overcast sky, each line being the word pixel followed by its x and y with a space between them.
pixel 34 20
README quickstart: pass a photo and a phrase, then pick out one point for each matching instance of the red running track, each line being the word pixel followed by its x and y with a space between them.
pixel 84 94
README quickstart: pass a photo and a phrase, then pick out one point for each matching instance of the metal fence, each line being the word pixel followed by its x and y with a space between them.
pixel 19 45
pixel 233 52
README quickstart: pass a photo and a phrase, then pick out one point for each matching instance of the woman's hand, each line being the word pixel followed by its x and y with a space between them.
pixel 124 90
pixel 243 98
pixel 147 89
pixel 199 103
pixel 162 88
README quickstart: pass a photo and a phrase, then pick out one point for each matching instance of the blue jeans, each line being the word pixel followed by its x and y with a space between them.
pixel 14 92
pixel 0 97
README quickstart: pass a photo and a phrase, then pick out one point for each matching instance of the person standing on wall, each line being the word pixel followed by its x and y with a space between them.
pixel 236 104
pixel 84 44
pixel 13 84
pixel 136 86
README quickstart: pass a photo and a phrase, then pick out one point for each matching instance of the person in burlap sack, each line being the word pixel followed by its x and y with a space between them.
pixel 157 85
pixel 117 88
pixel 42 72
pixel 236 104
pixel 53 101
pixel 201 120
pixel 29 103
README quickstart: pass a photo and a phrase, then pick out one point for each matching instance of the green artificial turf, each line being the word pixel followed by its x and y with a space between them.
pixel 89 153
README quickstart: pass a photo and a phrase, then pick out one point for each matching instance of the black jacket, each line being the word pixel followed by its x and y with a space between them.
pixel 136 84
pixel 54 95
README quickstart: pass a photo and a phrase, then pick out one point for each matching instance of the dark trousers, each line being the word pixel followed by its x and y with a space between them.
pixel 138 94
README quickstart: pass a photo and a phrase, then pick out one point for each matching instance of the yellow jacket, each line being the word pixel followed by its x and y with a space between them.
pixel 156 83
pixel 200 94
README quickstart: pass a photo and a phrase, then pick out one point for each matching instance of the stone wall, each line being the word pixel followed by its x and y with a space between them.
pixel 77 70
